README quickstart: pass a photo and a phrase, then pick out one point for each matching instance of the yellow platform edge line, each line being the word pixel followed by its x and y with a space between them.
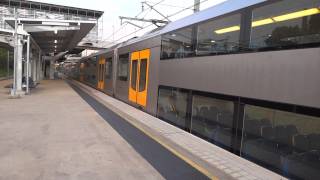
pixel 181 156
pixel 168 147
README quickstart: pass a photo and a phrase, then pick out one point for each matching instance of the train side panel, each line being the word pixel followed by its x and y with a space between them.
pixel 122 87
pixel 289 76
pixel 108 80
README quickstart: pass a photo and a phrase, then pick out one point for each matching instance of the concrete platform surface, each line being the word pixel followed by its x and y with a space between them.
pixel 212 160
pixel 55 135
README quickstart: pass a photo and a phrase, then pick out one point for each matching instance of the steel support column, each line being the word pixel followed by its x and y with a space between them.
pixel 52 69
pixel 39 68
pixel 28 64
pixel 34 67
pixel 17 85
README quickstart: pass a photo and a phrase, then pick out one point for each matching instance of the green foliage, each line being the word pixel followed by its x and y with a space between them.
pixel 3 62
pixel 3 72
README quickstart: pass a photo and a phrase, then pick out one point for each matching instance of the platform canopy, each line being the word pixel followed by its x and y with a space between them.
pixel 54 36
pixel 54 28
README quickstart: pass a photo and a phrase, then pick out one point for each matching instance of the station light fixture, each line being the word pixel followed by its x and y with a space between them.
pixel 297 14
pixel 285 17
pixel 262 22
pixel 55 41
pixel 228 29
pixel 213 41
pixel 55 31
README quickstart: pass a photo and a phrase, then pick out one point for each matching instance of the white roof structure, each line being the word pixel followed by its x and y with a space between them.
pixel 54 28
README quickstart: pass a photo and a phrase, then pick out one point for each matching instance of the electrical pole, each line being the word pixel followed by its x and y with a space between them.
pixel 28 64
pixel 195 29
pixel 14 86
pixel 196 6
pixel 152 7
pixel 153 21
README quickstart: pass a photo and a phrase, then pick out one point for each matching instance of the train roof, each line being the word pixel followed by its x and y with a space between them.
pixel 101 52
pixel 212 12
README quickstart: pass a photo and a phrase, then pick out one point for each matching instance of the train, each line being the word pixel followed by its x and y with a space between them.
pixel 243 75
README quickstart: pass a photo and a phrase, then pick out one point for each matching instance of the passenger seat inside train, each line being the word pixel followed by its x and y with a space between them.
pixel 282 148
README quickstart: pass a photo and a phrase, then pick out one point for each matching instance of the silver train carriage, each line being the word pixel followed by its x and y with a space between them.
pixel 243 75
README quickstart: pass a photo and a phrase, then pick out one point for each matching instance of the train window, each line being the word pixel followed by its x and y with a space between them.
pixel 178 44
pixel 172 106
pixel 212 119
pixel 123 69
pixel 4 2
pixel 285 141
pixel 219 36
pixel 143 75
pixel 134 74
pixel 108 69
pixel 287 23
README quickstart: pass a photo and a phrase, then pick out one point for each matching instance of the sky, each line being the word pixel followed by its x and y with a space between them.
pixel 111 30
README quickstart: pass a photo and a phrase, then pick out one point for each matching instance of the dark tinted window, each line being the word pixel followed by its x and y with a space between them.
pixel 219 36
pixel 46 8
pixel 143 74
pixel 90 71
pixel 35 6
pixel 178 44
pixel 108 67
pixel 286 23
pixel 280 140
pixel 279 24
pixel 82 13
pixel 212 119
pixel 283 141
pixel 5 2
pixel 73 11
pixel 25 5
pixel 90 13
pixel 123 67
pixel 172 106
pixel 54 9
pixel 134 69
pixel 63 10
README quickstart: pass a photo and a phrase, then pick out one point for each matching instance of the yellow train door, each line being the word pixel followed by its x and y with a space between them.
pixel 134 60
pixel 139 68
pixel 101 67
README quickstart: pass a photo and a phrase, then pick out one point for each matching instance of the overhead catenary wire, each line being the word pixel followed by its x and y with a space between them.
pixel 176 13
pixel 123 25
pixel 145 16
pixel 115 31
pixel 169 5
pixel 149 8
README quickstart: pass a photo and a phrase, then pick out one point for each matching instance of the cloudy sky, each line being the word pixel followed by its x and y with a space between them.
pixel 112 28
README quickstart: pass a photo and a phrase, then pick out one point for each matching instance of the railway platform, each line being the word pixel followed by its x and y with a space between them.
pixel 54 134
pixel 67 130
